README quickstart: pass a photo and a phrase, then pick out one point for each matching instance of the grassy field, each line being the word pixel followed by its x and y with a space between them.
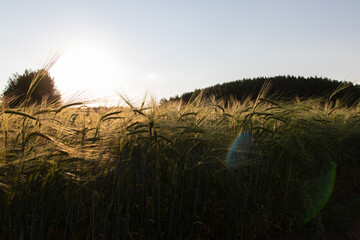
pixel 161 172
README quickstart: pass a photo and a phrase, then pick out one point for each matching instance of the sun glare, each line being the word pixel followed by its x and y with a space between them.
pixel 85 68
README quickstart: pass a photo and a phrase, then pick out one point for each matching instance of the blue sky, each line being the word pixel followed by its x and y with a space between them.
pixel 171 47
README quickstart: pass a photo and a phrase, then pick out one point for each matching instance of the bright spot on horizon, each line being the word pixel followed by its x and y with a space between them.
pixel 86 68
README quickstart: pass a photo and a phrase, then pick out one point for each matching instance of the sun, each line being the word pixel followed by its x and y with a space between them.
pixel 87 68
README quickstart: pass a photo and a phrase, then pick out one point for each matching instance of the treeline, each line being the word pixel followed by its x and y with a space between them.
pixel 282 88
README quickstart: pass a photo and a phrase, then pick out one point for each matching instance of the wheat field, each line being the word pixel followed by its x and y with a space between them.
pixel 152 171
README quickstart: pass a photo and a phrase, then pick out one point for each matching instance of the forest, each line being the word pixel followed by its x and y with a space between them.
pixel 283 88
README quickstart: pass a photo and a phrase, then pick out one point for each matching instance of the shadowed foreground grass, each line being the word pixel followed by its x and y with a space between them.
pixel 153 172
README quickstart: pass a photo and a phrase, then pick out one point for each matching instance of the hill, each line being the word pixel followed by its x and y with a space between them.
pixel 285 88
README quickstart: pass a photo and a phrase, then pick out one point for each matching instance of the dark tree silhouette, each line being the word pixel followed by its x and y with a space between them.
pixel 284 88
pixel 32 87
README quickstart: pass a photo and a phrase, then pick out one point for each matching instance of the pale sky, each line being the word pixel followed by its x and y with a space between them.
pixel 171 47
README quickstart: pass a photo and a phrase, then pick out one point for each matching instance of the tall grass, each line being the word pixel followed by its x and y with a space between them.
pixel 159 171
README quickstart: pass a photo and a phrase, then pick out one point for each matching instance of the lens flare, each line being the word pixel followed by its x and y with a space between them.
pixel 240 150
pixel 317 191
